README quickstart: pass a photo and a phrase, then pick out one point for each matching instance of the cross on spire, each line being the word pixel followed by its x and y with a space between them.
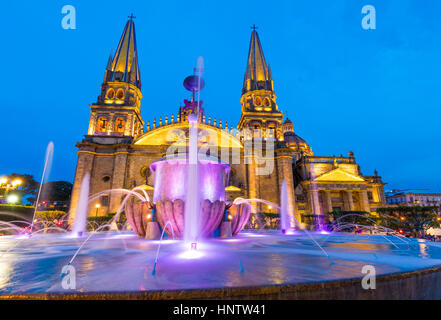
pixel 131 17
pixel 254 27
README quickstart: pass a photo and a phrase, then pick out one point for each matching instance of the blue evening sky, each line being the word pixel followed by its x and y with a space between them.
pixel 376 92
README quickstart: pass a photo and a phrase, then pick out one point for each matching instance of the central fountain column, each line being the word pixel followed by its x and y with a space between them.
pixel 191 231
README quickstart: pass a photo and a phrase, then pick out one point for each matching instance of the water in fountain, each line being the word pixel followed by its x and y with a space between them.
pixel 192 206
pixel 45 175
pixel 168 223
pixel 287 224
pixel 191 231
pixel 80 221
pixel 241 200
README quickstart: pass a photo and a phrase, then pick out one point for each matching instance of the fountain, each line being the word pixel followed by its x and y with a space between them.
pixel 189 205
pixel 189 189
pixel 287 222
pixel 79 226
pixel 46 170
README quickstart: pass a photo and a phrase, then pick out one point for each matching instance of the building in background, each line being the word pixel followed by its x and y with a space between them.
pixel 414 199
pixel 119 147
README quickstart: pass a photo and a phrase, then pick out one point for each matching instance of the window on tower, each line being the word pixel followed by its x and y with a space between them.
pixel 110 93
pixel 256 131
pixel 271 132
pixel 101 124
pixel 120 125
pixel 120 94
pixel 266 102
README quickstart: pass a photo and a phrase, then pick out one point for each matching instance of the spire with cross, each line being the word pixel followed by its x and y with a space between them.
pixel 131 17
pixel 254 27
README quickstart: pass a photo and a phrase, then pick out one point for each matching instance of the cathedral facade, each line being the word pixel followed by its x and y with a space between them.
pixel 263 151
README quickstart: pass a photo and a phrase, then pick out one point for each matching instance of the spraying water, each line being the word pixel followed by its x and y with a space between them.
pixel 79 227
pixel 192 203
pixel 45 175
pixel 192 206
pixel 287 223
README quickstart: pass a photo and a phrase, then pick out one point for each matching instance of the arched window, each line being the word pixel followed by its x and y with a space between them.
pixel 110 93
pixel 266 102
pixel 258 101
pixel 120 94
pixel 271 132
pixel 256 131
pixel 101 124
pixel 120 125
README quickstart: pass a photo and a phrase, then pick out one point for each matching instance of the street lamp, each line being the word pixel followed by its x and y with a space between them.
pixel 97 206
pixel 17 182
pixel 13 199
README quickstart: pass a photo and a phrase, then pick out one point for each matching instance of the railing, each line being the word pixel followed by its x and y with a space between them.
pixel 347 160
pixel 205 120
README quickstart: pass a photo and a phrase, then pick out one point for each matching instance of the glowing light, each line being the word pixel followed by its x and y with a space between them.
pixel 97 206
pixel 402 218
pixel 229 217
pixel 253 235
pixel 191 254
pixel 149 216
pixel 16 182
pixel 12 199
pixel 270 207
pixel 3 180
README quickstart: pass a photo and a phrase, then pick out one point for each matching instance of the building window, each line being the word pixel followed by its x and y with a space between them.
pixel 120 125
pixel 104 201
pixel 271 132
pixel 101 124
pixel 370 195
pixel 120 94
pixel 256 131
pixel 110 93
pixel 266 102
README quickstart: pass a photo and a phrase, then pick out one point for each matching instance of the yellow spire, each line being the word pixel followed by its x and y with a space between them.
pixel 258 75
pixel 124 66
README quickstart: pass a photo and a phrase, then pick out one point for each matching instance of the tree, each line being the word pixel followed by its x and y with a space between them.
pixel 59 191
pixel 413 219
pixel 28 189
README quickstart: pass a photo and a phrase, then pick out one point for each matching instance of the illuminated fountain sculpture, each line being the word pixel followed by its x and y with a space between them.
pixel 189 189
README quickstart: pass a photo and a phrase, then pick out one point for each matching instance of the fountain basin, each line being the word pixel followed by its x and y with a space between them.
pixel 212 213
pixel 171 179
pixel 275 266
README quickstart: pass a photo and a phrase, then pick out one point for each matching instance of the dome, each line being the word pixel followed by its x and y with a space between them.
pixel 296 143
pixel 291 138
pixel 287 121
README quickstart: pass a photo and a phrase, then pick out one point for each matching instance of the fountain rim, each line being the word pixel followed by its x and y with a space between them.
pixel 182 159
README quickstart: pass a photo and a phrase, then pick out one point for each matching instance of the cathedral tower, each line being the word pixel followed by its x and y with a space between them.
pixel 115 121
pixel 260 115
pixel 261 126
pixel 118 109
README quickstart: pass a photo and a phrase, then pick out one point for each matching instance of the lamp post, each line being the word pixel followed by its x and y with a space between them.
pixel 97 206
pixel 4 184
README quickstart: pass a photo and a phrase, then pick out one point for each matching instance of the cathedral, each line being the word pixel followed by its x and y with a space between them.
pixel 263 151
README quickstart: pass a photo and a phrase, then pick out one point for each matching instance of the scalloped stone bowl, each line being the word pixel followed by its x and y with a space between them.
pixel 170 194
pixel 211 216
